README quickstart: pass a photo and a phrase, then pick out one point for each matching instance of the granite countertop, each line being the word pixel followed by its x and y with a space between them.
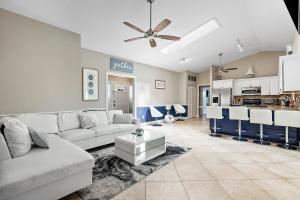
pixel 271 107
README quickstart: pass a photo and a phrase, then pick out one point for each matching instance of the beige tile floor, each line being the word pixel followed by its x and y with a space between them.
pixel 218 168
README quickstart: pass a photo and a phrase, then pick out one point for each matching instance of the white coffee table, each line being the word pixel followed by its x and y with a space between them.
pixel 139 149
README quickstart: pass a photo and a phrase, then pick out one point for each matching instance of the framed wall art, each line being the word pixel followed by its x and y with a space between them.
pixel 160 84
pixel 90 81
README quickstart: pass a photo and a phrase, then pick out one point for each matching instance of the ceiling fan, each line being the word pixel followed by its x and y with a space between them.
pixel 221 68
pixel 151 34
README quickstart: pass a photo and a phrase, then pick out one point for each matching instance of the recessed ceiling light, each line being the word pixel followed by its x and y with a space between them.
pixel 240 46
pixel 203 30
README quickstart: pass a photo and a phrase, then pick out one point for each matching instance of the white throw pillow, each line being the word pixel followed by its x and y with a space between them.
pixel 68 120
pixel 111 113
pixel 40 139
pixel 101 116
pixel 122 119
pixel 88 120
pixel 16 135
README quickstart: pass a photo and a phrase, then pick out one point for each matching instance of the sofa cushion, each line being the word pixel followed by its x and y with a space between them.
pixel 68 120
pixel 16 135
pixel 88 120
pixel 42 166
pixel 106 129
pixel 77 134
pixel 122 119
pixel 101 116
pixel 40 139
pixel 111 113
pixel 40 122
pixel 4 152
pixel 127 127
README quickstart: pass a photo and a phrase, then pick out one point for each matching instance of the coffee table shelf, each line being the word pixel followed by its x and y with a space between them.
pixel 139 149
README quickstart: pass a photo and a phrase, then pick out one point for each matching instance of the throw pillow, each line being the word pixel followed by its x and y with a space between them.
pixel 122 119
pixel 88 120
pixel 111 113
pixel 16 135
pixel 39 138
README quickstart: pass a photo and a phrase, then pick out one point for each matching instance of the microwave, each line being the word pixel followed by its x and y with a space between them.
pixel 251 91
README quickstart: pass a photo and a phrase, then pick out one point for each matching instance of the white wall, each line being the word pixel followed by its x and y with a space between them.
pixel 146 94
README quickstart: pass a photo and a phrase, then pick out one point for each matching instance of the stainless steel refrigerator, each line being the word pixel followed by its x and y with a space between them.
pixel 222 97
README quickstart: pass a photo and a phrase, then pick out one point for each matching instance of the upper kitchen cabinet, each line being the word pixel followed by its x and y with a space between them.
pixel 223 84
pixel 274 86
pixel 253 82
pixel 265 86
pixel 289 70
pixel 269 86
pixel 237 88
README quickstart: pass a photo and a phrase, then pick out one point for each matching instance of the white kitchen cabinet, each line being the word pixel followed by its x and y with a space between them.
pixel 269 85
pixel 223 84
pixel 265 86
pixel 246 83
pixel 255 82
pixel 274 85
pixel 289 71
pixel 237 88
pixel 252 82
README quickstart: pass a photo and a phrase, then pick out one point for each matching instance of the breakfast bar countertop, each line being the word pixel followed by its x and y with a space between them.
pixel 271 107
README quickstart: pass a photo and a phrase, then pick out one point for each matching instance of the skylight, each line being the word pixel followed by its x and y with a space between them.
pixel 196 34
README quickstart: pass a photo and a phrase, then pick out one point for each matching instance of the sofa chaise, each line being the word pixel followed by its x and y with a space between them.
pixel 65 167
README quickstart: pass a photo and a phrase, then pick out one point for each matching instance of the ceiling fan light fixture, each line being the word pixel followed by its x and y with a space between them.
pixel 205 29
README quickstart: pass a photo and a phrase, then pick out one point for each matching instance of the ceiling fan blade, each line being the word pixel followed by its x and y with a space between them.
pixel 132 39
pixel 232 68
pixel 169 37
pixel 152 43
pixel 134 27
pixel 162 25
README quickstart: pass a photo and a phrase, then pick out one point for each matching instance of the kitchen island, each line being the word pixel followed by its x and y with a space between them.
pixel 272 133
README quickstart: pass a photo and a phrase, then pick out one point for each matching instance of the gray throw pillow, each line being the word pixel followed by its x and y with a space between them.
pixel 88 120
pixel 16 135
pixel 39 138
pixel 122 119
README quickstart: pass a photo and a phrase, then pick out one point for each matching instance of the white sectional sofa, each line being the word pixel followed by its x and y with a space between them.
pixel 65 167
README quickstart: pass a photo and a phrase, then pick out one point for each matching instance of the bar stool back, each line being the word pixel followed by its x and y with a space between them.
pixel 261 117
pixel 287 119
pixel 155 114
pixel 214 112
pixel 240 114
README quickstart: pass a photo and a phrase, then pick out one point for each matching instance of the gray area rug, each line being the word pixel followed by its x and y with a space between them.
pixel 111 175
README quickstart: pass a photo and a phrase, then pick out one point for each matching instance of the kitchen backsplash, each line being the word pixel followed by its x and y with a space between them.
pixel 238 100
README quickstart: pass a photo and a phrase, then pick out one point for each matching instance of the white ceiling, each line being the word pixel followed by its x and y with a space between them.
pixel 261 25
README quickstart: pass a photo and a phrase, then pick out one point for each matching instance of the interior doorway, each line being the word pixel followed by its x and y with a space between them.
pixel 120 93
pixel 192 101
pixel 204 98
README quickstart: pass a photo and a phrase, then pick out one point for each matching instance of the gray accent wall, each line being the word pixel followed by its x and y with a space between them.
pixel 41 70
pixel 39 66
